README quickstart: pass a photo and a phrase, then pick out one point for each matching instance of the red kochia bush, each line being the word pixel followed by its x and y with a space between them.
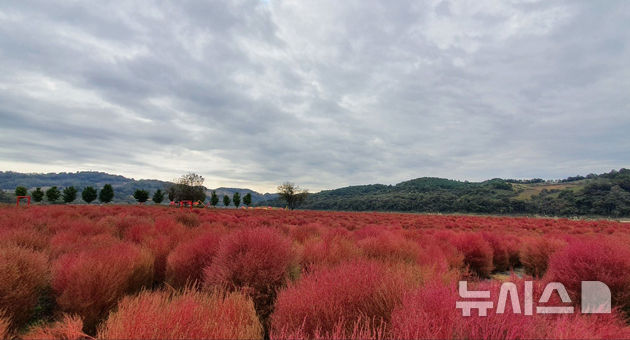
pixel 390 246
pixel 25 237
pixel 304 232
pixel 184 315
pixel 256 259
pixel 66 242
pixel 187 219
pixel 322 300
pixel 23 276
pixel 500 250
pixel 89 283
pixel 535 254
pixel 427 313
pixel 477 252
pixel 160 238
pixel 69 328
pixel 599 259
pixel 5 323
pixel 357 330
pixel 582 326
pixel 430 313
pixel 329 250
pixel 187 261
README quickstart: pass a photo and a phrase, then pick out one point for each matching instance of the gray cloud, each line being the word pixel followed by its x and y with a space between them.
pixel 323 93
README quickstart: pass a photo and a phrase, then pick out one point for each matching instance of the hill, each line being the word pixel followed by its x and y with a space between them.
pixel 606 194
pixel 123 187
pixel 256 196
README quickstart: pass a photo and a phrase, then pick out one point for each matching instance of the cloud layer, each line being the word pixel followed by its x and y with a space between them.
pixel 324 93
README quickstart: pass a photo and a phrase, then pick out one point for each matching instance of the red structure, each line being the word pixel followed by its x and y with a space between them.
pixel 182 204
pixel 18 198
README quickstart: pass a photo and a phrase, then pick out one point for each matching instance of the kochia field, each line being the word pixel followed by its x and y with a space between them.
pixel 156 272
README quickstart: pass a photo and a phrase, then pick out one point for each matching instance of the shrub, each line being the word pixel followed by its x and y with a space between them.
pixel 23 277
pixel 89 283
pixel 454 258
pixel 5 323
pixel 500 250
pixel 305 232
pixel 508 325
pixel 187 261
pixel 257 260
pixel 427 313
pixel 328 251
pixel 513 245
pixel 582 326
pixel 71 242
pixel 477 253
pixel 69 328
pixel 535 254
pixel 356 330
pixel 439 263
pixel 320 301
pixel 188 219
pixel 183 315
pixel 160 238
pixel 79 225
pixel 390 247
pixel 430 313
pixel 598 259
pixel 25 238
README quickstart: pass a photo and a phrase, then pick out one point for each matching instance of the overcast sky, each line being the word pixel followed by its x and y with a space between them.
pixel 324 93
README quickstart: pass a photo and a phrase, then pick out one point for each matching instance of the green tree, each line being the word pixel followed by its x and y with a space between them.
pixel 38 195
pixel 69 194
pixel 158 196
pixel 236 198
pixel 247 199
pixel 52 194
pixel 214 199
pixel 226 200
pixel 141 195
pixel 88 194
pixel 189 187
pixel 292 194
pixel 21 191
pixel 107 194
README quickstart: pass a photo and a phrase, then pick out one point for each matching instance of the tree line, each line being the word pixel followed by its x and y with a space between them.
pixel 68 194
pixel 142 196
pixel 188 187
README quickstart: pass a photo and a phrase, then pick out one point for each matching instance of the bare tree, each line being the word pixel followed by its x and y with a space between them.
pixel 292 194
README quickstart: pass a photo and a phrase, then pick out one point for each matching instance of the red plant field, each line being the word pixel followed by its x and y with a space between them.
pixel 157 272
pixel 188 314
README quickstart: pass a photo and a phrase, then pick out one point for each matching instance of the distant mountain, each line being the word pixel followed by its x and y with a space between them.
pixel 123 187
pixel 606 194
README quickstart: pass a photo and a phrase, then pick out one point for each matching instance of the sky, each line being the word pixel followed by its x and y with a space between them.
pixel 322 93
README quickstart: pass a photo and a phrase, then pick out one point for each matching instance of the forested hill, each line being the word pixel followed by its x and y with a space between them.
pixel 123 187
pixel 607 194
